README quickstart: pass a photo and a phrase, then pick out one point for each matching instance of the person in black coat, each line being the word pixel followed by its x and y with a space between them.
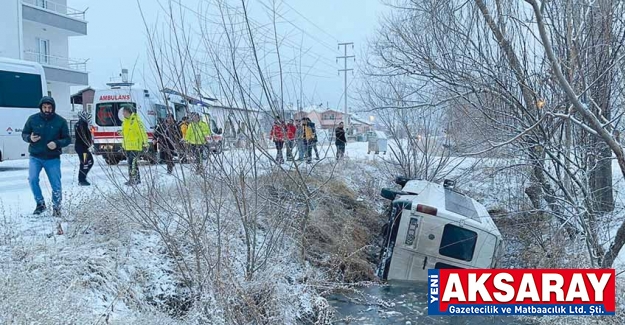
pixel 340 141
pixel 84 141
pixel 47 133
pixel 168 136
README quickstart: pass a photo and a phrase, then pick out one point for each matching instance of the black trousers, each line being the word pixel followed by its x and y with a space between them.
pixel 86 162
pixel 197 152
pixel 167 155
pixel 133 165
pixel 279 146
pixel 289 149
pixel 340 150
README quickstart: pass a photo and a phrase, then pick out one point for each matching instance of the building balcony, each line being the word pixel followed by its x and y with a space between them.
pixel 60 69
pixel 54 14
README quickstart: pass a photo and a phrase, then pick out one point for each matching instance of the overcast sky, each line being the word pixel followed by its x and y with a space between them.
pixel 116 37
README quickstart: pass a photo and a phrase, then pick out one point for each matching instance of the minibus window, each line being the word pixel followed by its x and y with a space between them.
pixel 458 243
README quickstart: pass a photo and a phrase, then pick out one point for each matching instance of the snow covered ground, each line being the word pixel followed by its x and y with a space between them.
pixel 105 268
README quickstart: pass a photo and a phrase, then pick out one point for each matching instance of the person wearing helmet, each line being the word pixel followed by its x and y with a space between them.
pixel 83 142
pixel 46 132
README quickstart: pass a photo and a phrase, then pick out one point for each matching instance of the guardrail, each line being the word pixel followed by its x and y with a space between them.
pixel 57 8
pixel 56 61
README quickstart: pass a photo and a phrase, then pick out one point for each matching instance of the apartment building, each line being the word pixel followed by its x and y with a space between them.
pixel 39 30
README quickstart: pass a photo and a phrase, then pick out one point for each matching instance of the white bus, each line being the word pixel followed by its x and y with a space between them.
pixel 22 84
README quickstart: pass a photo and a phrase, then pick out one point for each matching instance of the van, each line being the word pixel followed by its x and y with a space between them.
pixel 107 118
pixel 433 226
pixel 184 105
pixel 22 84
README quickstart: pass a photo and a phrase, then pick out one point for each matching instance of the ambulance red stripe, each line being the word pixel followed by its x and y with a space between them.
pixel 101 135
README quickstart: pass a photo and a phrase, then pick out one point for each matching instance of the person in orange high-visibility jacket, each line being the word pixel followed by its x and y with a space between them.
pixel 309 135
pixel 197 132
pixel 134 142
pixel 184 126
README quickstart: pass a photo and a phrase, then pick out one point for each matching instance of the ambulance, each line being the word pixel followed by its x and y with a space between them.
pixel 107 118
pixel 434 226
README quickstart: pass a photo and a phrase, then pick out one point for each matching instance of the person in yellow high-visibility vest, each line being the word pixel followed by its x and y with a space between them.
pixel 195 137
pixel 134 142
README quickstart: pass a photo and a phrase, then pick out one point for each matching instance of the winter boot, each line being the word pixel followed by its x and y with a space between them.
pixel 41 207
pixel 84 183
pixel 56 212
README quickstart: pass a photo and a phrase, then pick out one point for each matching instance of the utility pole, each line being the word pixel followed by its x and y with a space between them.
pixel 345 70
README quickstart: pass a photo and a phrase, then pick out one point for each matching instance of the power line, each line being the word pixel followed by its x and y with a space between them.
pixel 258 26
pixel 308 20
pixel 291 23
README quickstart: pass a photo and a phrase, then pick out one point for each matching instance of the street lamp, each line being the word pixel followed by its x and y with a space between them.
pixel 541 103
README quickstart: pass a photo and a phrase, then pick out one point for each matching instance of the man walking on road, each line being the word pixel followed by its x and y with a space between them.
pixel 46 132
pixel 134 142
pixel 310 138
pixel 168 135
pixel 196 139
pixel 301 142
pixel 82 145
pixel 277 136
pixel 291 130
pixel 340 141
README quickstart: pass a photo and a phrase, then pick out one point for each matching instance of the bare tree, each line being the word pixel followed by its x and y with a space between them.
pixel 488 61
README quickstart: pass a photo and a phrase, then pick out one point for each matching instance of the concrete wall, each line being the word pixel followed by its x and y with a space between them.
pixel 10 29
pixel 60 93
pixel 59 45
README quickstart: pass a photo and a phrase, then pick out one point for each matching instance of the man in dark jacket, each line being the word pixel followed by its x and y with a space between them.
pixel 340 141
pixel 47 133
pixel 168 136
pixel 82 145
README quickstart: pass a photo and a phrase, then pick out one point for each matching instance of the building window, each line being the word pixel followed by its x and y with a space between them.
pixel 42 4
pixel 43 50
pixel 49 93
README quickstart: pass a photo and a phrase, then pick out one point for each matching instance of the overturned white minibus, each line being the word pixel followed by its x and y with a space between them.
pixel 432 226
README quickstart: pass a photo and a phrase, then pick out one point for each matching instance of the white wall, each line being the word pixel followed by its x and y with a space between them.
pixel 10 19
pixel 61 93
pixel 58 39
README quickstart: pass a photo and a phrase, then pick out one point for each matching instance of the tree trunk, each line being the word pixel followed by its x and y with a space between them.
pixel 600 61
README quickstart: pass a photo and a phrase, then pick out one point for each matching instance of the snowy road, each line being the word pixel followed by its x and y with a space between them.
pixel 15 194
